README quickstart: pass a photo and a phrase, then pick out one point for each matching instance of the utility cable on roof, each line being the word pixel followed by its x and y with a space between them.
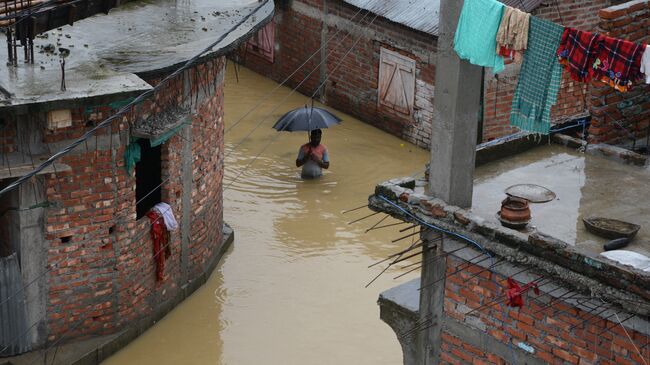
pixel 106 122
pixel 55 265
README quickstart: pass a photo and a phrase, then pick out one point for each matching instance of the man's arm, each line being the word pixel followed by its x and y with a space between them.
pixel 325 163
pixel 302 158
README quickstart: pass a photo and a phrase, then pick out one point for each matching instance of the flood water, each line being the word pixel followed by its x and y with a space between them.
pixel 291 289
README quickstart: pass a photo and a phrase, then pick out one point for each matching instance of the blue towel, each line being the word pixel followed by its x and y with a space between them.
pixel 476 34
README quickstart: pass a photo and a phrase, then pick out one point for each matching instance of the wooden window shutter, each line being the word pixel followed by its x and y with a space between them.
pixel 263 43
pixel 396 82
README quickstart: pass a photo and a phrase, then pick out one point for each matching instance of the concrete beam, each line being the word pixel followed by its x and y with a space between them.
pixel 434 268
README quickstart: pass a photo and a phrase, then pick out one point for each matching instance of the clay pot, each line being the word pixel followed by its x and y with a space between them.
pixel 515 209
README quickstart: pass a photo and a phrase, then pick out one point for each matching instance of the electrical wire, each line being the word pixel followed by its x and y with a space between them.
pixel 122 111
pixel 55 265
pixel 286 125
pixel 259 124
pixel 268 95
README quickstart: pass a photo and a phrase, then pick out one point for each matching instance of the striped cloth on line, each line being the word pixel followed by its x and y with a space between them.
pixel 539 80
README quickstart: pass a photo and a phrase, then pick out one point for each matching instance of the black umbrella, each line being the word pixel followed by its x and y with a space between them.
pixel 306 119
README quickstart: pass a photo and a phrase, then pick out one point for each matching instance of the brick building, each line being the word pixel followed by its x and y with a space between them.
pixel 542 288
pixel 622 118
pixel 75 245
pixel 578 307
pixel 387 79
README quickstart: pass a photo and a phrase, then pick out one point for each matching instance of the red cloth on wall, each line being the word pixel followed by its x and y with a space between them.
pixel 160 237
pixel 515 291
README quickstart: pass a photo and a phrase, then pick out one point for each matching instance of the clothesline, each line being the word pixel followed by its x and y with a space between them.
pixel 488 31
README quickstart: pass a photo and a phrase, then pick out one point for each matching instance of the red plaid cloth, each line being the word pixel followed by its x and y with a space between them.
pixel 618 63
pixel 577 52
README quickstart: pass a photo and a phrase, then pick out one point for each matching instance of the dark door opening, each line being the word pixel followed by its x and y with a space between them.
pixel 148 178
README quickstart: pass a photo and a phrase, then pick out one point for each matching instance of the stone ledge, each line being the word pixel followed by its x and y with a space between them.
pixel 613 281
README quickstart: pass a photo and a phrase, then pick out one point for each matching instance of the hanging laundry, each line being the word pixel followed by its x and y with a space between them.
pixel 618 63
pixel 167 212
pixel 577 52
pixel 515 291
pixel 475 38
pixel 513 33
pixel 539 79
pixel 160 237
pixel 132 155
pixel 645 64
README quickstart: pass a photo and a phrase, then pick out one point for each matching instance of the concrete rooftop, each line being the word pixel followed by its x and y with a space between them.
pixel 107 51
pixel 585 186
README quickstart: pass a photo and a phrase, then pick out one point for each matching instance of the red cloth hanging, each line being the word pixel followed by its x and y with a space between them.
pixel 618 63
pixel 160 237
pixel 577 52
pixel 515 291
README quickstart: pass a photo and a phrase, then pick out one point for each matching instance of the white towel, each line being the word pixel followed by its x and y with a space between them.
pixel 168 215
pixel 631 258
pixel 645 64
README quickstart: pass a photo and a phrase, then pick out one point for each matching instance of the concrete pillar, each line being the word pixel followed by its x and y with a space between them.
pixel 429 340
pixel 455 119
pixel 33 258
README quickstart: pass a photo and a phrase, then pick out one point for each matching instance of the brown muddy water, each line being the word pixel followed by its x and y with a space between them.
pixel 291 289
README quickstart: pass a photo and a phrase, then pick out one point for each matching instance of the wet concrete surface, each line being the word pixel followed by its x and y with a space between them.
pixel 291 291
pixel 106 50
pixel 585 186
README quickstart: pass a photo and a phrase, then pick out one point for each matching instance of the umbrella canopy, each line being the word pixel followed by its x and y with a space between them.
pixel 306 119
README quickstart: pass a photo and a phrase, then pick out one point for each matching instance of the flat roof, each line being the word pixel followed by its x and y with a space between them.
pixel 107 51
pixel 585 186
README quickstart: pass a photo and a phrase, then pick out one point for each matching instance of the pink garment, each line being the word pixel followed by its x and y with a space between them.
pixel 318 151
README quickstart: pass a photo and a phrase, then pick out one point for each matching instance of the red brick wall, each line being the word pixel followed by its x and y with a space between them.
pixel 559 333
pixel 618 118
pixel 572 97
pixel 108 279
pixel 352 86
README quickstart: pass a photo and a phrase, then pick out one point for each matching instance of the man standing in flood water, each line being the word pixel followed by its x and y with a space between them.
pixel 313 156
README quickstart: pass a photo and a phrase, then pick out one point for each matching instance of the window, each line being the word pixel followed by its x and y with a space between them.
pixel 57 119
pixel 396 82
pixel 263 43
pixel 148 178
